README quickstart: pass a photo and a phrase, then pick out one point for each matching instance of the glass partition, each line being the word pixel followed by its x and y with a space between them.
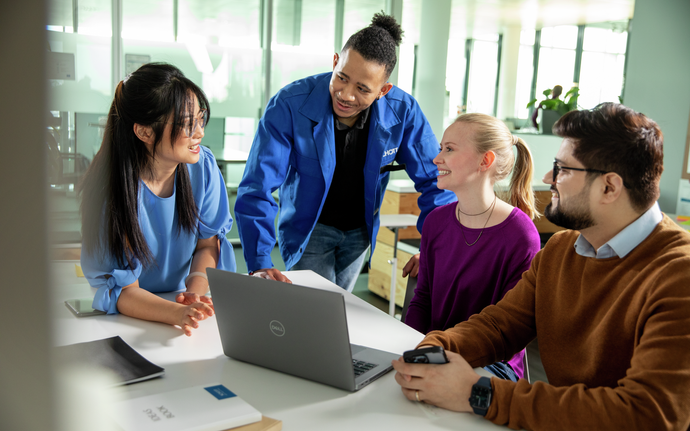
pixel 79 95
pixel 90 89
pixel 227 23
pixel 148 20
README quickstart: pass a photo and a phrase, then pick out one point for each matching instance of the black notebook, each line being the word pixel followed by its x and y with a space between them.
pixel 114 354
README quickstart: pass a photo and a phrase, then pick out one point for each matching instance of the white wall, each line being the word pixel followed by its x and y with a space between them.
pixel 657 81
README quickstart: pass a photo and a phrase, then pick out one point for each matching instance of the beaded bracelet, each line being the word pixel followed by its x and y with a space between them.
pixel 195 274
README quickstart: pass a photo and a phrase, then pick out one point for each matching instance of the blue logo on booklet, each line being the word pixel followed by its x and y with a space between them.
pixel 220 392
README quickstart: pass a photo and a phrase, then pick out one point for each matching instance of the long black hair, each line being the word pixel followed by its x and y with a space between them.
pixel 150 96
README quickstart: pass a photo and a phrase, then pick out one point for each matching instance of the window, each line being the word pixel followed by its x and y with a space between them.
pixel 148 20
pixel 303 40
pixel 411 23
pixel 556 58
pixel 358 14
pixel 225 23
pixel 525 73
pixel 603 64
pixel 308 24
pixel 455 79
pixel 483 71
pixel 238 137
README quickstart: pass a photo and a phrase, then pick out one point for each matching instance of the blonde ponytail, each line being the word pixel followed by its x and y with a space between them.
pixel 521 192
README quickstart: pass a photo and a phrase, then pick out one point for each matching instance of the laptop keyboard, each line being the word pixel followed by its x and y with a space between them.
pixel 361 367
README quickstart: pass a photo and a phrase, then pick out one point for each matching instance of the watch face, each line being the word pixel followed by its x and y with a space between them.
pixel 481 397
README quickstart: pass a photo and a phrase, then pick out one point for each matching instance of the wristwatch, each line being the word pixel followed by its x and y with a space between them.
pixel 480 400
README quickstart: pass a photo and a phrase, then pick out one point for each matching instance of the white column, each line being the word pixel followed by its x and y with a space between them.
pixel 116 55
pixel 507 81
pixel 430 81
pixel 394 8
pixel 267 39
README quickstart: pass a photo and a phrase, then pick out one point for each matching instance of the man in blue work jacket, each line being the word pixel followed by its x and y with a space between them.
pixel 328 141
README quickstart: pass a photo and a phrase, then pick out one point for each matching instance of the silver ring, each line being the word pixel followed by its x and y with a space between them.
pixel 416 395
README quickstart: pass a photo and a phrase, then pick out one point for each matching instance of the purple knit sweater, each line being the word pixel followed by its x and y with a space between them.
pixel 456 281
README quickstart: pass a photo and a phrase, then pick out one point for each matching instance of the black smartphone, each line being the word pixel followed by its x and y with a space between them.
pixel 82 307
pixel 426 355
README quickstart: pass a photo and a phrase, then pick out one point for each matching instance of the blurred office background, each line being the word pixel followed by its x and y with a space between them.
pixel 456 56
pixel 61 62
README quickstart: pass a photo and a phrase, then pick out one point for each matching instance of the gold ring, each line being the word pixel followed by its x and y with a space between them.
pixel 416 395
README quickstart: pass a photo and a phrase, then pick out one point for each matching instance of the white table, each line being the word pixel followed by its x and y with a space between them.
pixel 300 404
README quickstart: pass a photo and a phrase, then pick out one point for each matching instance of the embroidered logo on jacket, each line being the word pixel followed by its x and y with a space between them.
pixel 390 152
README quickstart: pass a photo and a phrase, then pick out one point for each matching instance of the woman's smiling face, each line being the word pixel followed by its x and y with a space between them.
pixel 185 149
pixel 458 162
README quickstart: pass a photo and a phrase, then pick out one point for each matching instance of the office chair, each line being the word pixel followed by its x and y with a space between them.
pixel 409 293
pixel 526 365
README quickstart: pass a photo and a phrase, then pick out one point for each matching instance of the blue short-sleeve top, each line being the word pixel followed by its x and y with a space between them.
pixel 172 249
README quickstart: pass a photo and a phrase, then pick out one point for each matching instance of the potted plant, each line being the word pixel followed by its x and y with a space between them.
pixel 553 107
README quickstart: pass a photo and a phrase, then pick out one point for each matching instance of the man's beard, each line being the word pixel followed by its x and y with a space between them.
pixel 577 218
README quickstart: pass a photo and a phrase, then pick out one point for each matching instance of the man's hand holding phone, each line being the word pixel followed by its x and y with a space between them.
pixel 426 355
pixel 422 379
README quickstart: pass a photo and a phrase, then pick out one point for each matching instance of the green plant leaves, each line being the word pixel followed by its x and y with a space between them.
pixel 557 104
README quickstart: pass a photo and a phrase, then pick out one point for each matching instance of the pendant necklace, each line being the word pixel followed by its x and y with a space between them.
pixel 493 205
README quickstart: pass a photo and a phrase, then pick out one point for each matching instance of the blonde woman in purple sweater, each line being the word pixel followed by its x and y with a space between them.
pixel 475 250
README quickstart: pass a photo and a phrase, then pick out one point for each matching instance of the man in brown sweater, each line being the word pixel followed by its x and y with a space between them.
pixel 608 299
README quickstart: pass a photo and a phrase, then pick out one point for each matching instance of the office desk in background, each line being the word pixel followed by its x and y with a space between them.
pixel 301 404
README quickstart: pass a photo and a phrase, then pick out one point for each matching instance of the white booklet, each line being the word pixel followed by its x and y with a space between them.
pixel 211 407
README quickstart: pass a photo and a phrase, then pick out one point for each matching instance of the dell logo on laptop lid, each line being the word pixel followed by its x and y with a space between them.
pixel 277 328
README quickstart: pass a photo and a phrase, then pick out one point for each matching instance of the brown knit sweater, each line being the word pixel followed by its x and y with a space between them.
pixel 614 338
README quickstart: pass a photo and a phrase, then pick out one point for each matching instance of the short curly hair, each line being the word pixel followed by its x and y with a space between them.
pixel 378 41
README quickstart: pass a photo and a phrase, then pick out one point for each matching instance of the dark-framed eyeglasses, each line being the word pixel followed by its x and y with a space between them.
pixel 557 169
pixel 189 127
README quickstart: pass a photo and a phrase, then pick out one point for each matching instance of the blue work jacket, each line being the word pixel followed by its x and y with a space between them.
pixel 294 150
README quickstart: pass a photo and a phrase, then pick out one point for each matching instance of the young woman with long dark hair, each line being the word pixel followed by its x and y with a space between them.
pixel 154 205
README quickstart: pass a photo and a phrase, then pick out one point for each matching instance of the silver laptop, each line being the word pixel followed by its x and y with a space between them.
pixel 293 329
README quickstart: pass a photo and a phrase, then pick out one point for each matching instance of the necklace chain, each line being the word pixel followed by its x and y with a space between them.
pixel 493 205
pixel 478 214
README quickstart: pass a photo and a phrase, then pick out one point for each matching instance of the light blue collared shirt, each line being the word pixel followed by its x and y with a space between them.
pixel 626 240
